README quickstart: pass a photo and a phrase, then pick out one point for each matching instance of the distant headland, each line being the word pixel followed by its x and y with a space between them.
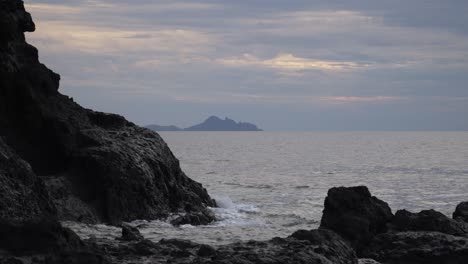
pixel 212 123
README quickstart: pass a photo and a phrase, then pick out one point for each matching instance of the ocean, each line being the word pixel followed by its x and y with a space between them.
pixel 270 184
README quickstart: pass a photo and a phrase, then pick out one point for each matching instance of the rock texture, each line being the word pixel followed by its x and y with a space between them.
pixel 428 220
pixel 23 195
pixel 101 164
pixel 44 241
pixel 355 215
pixel 418 248
pixel 461 212
pixel 315 246
pixel 367 223
pixel 130 233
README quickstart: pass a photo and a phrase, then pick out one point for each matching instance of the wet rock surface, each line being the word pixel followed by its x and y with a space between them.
pixel 428 220
pixel 461 212
pixel 355 214
pixel 130 233
pixel 315 246
pixel 425 237
pixel 418 247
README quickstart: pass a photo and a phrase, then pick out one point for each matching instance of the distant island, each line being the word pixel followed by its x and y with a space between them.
pixel 212 123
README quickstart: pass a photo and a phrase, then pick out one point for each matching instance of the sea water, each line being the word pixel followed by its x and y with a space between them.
pixel 271 184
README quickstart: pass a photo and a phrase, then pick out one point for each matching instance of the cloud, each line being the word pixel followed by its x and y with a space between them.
pixel 289 62
pixel 295 54
pixel 361 99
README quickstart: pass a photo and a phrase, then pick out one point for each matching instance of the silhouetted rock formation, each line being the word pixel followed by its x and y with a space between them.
pixel 418 248
pixel 355 214
pixel 461 212
pixel 428 220
pixel 99 167
pixel 367 224
pixel 213 123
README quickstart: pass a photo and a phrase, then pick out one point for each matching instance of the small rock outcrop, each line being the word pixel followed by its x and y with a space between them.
pixel 355 215
pixel 212 123
pixel 130 233
pixel 418 248
pixel 99 167
pixel 461 212
pixel 428 220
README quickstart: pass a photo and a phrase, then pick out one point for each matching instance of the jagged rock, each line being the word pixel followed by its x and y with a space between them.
pixel 418 248
pixel 22 194
pixel 113 170
pixel 315 246
pixel 196 218
pixel 355 215
pixel 130 233
pixel 428 220
pixel 461 212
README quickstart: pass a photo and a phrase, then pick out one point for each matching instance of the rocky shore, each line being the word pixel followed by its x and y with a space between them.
pixel 61 162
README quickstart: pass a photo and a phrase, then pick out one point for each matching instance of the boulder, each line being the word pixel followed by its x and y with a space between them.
pixel 130 233
pixel 102 168
pixel 355 215
pixel 418 248
pixel 428 220
pixel 461 212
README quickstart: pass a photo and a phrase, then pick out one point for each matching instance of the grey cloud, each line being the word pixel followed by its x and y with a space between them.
pixel 162 62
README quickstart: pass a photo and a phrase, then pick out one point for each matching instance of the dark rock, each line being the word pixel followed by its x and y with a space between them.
pixel 418 247
pixel 130 233
pixel 461 212
pixel 23 195
pixel 355 215
pixel 316 246
pixel 146 247
pixel 44 241
pixel 37 236
pixel 428 220
pixel 203 217
pixel 100 167
pixel 206 251
pixel 69 207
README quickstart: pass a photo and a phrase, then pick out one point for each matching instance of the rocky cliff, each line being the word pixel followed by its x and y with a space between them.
pixel 96 166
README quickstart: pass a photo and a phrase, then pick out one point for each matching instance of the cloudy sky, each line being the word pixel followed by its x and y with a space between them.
pixel 284 65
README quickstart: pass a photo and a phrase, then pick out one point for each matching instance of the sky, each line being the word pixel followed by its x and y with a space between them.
pixel 283 65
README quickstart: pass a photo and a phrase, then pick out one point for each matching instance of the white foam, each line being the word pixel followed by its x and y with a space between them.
pixel 230 214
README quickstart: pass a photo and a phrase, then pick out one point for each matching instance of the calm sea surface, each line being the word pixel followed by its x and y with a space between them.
pixel 273 183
